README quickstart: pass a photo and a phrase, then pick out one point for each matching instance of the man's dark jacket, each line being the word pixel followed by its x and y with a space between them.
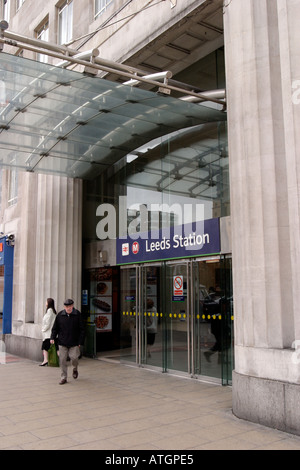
pixel 69 329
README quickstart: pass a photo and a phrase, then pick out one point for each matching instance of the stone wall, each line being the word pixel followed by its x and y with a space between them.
pixel 262 66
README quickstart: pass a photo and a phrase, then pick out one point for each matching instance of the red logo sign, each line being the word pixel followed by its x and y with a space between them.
pixel 135 248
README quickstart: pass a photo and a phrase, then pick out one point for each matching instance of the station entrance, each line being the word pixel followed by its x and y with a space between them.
pixel 177 316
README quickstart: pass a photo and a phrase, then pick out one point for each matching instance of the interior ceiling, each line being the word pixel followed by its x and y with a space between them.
pixel 192 164
pixel 189 40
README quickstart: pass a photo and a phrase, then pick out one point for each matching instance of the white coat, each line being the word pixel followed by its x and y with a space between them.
pixel 48 321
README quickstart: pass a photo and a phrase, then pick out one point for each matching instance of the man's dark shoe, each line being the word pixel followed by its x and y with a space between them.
pixel 63 381
pixel 75 373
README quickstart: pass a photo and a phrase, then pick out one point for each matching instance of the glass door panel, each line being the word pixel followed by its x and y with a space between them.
pixel 207 323
pixel 151 326
pixel 141 317
pixel 129 318
pixel 227 323
pixel 177 329
pixel 212 319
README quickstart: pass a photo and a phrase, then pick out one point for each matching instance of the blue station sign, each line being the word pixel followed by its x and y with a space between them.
pixel 7 260
pixel 184 241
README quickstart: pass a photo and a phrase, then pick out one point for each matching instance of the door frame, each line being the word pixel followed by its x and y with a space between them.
pixel 190 302
pixel 140 272
pixel 186 263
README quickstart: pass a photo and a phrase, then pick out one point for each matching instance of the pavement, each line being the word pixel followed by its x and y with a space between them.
pixel 115 407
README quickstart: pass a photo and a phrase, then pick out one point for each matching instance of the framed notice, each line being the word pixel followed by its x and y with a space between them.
pixel 101 299
pixel 178 295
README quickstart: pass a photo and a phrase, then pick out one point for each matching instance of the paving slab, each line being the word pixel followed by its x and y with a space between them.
pixel 115 407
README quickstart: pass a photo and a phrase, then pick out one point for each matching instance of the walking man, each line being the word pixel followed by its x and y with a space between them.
pixel 69 329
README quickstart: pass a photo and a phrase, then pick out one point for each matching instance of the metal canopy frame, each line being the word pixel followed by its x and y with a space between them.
pixel 59 121
pixel 93 64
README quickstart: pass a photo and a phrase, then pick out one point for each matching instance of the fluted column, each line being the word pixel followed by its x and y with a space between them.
pixel 58 241
pixel 262 40
pixel 48 249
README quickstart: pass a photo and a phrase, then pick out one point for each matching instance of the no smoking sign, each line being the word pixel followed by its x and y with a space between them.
pixel 178 285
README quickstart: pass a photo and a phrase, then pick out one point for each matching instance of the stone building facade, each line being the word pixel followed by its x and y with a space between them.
pixel 258 41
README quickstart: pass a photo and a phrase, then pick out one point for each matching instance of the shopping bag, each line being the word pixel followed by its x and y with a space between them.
pixel 53 360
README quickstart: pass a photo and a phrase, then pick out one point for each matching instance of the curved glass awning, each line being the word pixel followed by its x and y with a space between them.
pixel 58 121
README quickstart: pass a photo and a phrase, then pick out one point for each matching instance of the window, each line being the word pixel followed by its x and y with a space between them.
pixel 43 34
pixel 19 3
pixel 65 17
pixel 101 6
pixel 6 10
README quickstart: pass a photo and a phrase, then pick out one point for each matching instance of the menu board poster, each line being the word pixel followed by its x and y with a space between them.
pixel 101 298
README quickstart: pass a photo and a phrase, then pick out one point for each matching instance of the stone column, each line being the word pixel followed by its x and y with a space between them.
pixel 262 40
pixel 48 254
pixel 58 242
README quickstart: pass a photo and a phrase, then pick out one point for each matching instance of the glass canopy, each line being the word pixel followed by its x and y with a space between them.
pixel 58 121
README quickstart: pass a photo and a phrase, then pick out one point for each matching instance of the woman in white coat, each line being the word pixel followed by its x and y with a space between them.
pixel 48 321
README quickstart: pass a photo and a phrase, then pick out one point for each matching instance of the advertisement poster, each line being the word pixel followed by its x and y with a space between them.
pixel 101 299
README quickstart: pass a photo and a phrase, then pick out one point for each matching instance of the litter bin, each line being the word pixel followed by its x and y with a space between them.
pixel 90 340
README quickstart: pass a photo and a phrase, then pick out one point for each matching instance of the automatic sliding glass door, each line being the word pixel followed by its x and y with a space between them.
pixel 151 339
pixel 212 319
pixel 141 316
pixel 129 319
pixel 199 318
pixel 177 316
